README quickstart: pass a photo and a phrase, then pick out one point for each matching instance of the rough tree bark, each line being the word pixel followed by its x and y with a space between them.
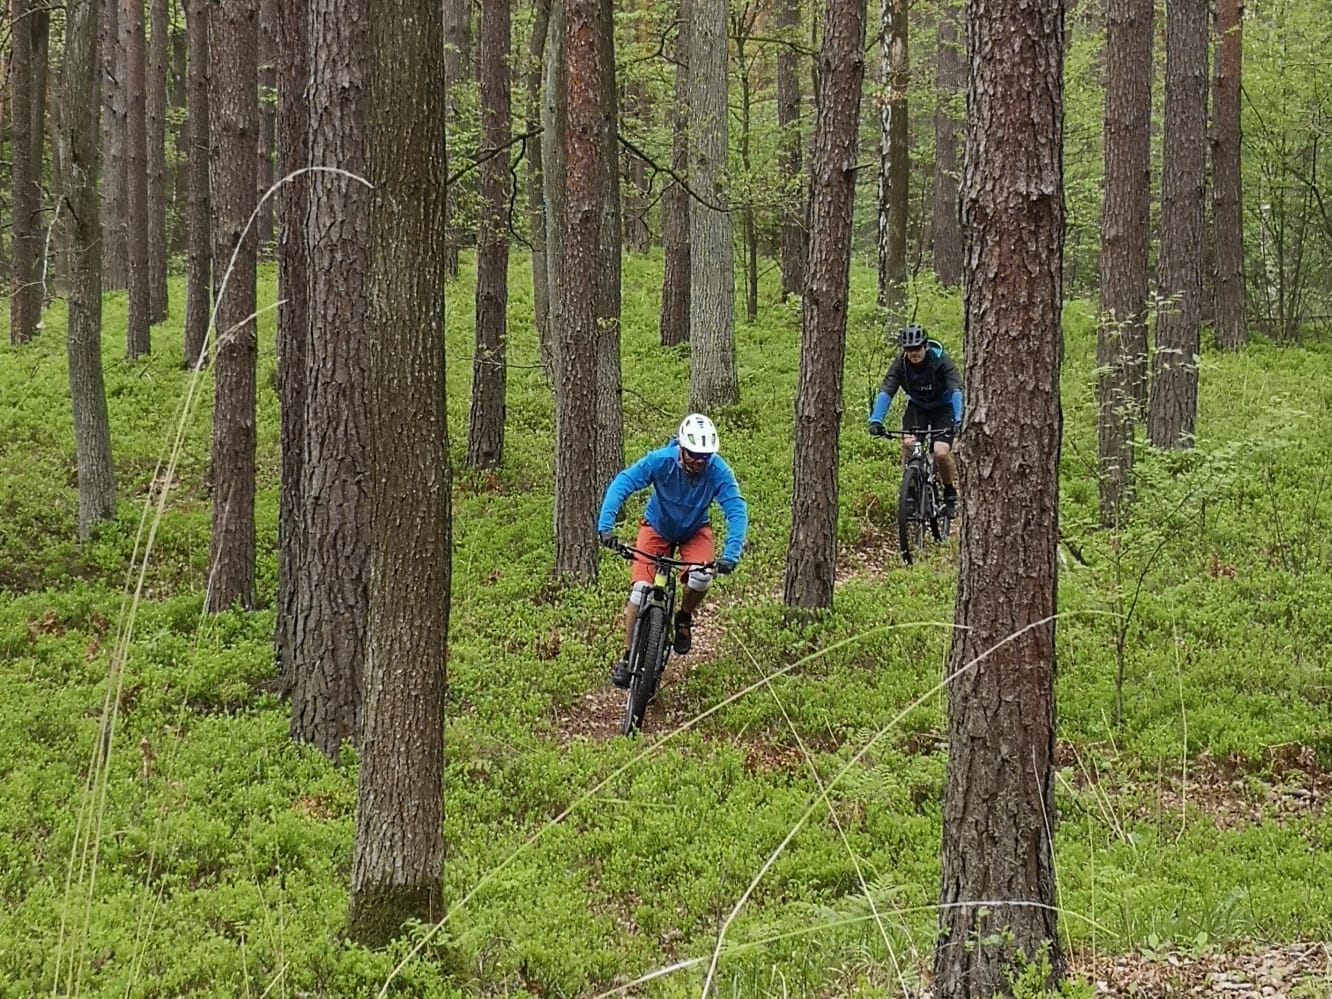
pixel 795 238
pixel 39 17
pixel 234 75
pixel 334 595
pixel 675 296
pixel 576 385
pixel 1227 215
pixel 610 254
pixel 266 149
pixel 114 262
pixel 998 808
pixel 712 376
pixel 1173 404
pixel 536 196
pixel 485 424
pixel 894 155
pixel 1122 335
pixel 812 552
pixel 293 324
pixel 80 230
pixel 199 254
pixel 457 72
pixel 155 116
pixel 24 301
pixel 949 79
pixel 136 176
pixel 399 847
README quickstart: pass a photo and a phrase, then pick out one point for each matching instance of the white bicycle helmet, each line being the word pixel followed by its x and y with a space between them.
pixel 697 434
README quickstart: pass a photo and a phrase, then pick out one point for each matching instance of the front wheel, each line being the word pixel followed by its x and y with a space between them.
pixel 645 661
pixel 910 509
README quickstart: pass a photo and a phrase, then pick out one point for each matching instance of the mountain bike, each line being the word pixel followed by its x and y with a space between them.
pixel 921 510
pixel 654 632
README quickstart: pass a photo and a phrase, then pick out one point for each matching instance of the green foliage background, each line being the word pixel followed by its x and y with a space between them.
pixel 224 850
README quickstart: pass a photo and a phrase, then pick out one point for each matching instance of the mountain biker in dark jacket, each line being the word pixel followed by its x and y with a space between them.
pixel 686 476
pixel 924 371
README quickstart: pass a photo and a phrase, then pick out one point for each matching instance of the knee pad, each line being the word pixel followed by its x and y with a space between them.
pixel 637 593
pixel 699 580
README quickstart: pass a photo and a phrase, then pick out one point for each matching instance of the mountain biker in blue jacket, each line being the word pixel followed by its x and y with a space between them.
pixel 924 371
pixel 686 476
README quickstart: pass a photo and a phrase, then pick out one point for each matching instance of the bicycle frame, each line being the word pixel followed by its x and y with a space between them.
pixel 646 665
pixel 920 510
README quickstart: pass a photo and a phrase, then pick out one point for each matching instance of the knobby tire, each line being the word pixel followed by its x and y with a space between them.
pixel 645 666
pixel 910 527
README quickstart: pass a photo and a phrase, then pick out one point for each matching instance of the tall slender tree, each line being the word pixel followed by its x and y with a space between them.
pixel 333 591
pixel 24 303
pixel 1227 188
pixel 293 323
pixel 457 74
pixel 399 848
pixel 795 237
pixel 536 195
pixel 610 255
pixel 1121 337
pixel 675 295
pixel 812 552
pixel 199 253
pixel 712 375
pixel 155 97
pixel 485 425
pixel 114 248
pixel 233 37
pixel 80 224
pixel 894 154
pixel 583 176
pixel 39 20
pixel 950 76
pixel 132 32
pixel 997 900
pixel 266 150
pixel 1173 404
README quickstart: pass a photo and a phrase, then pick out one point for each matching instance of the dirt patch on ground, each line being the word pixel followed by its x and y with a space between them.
pixel 1293 971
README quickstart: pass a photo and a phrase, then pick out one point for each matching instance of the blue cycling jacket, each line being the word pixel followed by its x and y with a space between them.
pixel 679 503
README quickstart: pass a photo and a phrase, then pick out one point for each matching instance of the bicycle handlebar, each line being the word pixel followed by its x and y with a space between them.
pixel 925 432
pixel 628 551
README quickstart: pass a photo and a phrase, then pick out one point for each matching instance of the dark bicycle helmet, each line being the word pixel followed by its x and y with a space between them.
pixel 911 336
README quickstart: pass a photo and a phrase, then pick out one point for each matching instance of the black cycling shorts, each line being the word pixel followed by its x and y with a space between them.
pixel 940 418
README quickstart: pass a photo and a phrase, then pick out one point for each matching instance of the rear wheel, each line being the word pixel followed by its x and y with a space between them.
pixel 910 523
pixel 644 666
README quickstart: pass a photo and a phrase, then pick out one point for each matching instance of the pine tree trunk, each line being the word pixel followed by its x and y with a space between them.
pixel 115 263
pixel 811 558
pixel 336 483
pixel 748 227
pixel 712 376
pixel 998 807
pixel 268 49
pixel 399 848
pixel 1227 189
pixel 485 425
pixel 794 247
pixel 178 99
pixel 80 239
pixel 1173 404
pixel 293 325
pixel 24 302
pixel 536 195
pixel 40 19
pixel 199 263
pixel 233 40
pixel 675 296
pixel 1122 335
pixel 610 246
pixel 950 78
pixel 554 126
pixel 894 156
pixel 457 73
pixel 137 341
pixel 576 387
pixel 155 112
pixel 637 109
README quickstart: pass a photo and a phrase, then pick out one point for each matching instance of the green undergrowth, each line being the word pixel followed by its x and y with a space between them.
pixel 797 769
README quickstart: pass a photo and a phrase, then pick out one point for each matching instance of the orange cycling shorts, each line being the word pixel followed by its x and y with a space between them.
pixel 697 549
